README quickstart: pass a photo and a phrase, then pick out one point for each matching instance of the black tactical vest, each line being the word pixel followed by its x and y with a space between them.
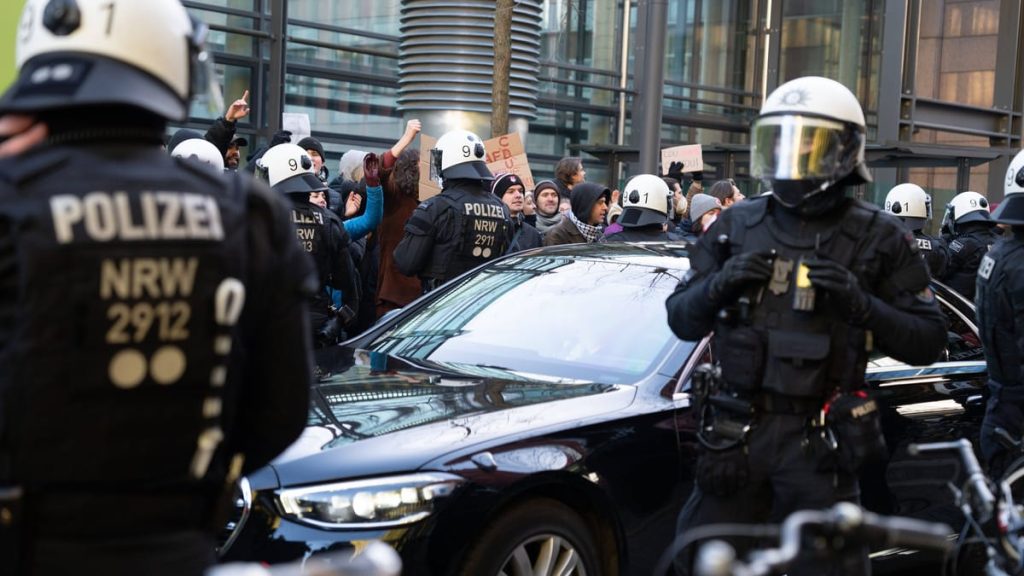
pixel 934 252
pixel 125 316
pixel 478 231
pixel 967 250
pixel 998 271
pixel 315 235
pixel 786 337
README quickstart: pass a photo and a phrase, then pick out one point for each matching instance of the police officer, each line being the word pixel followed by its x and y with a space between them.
pixel 972 232
pixel 291 172
pixel 646 203
pixel 911 204
pixel 140 370
pixel 1000 308
pixel 463 226
pixel 797 287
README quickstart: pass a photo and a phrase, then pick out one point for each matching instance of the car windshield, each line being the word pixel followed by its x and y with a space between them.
pixel 566 317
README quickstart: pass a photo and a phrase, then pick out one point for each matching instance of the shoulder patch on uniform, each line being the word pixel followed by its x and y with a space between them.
pixel 985 269
pixel 956 245
pixel 926 295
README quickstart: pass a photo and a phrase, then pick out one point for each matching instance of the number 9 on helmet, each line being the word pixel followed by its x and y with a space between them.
pixel 459 154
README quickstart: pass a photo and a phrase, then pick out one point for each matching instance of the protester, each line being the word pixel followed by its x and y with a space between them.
pixel 509 188
pixel 582 223
pixel 568 173
pixel 545 194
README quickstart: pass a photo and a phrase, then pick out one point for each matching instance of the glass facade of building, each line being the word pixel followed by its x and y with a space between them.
pixel 925 72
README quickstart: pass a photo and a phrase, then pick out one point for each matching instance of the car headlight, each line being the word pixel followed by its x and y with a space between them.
pixel 374 503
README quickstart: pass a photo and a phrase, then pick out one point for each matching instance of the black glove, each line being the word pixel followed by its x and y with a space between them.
pixel 675 170
pixel 842 285
pixel 737 272
pixel 698 176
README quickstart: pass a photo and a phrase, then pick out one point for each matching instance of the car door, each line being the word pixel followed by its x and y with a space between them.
pixel 939 402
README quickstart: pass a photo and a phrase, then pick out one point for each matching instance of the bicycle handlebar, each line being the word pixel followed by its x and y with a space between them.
pixel 986 500
pixel 855 524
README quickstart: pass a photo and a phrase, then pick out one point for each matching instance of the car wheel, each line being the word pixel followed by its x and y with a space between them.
pixel 537 538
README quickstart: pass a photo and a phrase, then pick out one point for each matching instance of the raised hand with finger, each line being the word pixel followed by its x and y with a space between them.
pixel 238 109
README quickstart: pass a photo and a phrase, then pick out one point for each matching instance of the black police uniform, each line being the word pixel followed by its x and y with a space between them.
pixel 322 235
pixel 934 251
pixel 152 327
pixel 1000 311
pixel 455 231
pixel 784 364
pixel 966 250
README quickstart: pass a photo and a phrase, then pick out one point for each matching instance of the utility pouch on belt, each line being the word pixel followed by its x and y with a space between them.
pixel 797 363
pixel 742 359
pixel 11 525
pixel 857 423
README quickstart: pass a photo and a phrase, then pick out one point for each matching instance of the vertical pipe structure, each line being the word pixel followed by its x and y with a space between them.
pixel 446 64
pixel 651 92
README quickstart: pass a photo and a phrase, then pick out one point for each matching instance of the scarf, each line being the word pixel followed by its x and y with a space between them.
pixel 546 222
pixel 591 233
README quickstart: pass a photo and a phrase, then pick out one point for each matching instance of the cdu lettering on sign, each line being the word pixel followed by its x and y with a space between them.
pixel 120 216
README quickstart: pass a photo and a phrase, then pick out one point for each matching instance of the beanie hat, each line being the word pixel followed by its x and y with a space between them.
pixel 180 136
pixel 310 143
pixel 701 204
pixel 349 162
pixel 502 182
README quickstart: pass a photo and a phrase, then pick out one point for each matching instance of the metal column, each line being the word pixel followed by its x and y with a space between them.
pixel 650 94
pixel 275 83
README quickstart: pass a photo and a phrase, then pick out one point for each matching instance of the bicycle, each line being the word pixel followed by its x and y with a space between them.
pixel 984 506
pixel 844 526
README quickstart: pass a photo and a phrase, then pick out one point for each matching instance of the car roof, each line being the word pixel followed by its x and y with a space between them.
pixel 672 255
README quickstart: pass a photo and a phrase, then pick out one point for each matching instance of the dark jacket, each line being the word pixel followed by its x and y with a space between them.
pixel 524 236
pixel 134 443
pixel 565 232
pixel 903 315
pixel 220 134
pixel 966 249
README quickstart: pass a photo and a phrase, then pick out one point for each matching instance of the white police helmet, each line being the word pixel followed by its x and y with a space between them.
pixel 459 154
pixel 911 203
pixel 1011 209
pixel 808 137
pixel 289 170
pixel 966 207
pixel 147 54
pixel 201 150
pixel 645 200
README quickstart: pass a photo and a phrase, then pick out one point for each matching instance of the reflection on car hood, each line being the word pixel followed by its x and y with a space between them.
pixel 395 416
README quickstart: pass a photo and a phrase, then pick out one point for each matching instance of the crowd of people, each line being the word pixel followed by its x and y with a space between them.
pixel 158 315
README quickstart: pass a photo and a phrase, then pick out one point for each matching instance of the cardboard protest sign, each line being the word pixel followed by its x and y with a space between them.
pixel 428 187
pixel 507 154
pixel 690 155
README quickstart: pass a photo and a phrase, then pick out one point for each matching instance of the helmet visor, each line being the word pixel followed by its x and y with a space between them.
pixel 803 148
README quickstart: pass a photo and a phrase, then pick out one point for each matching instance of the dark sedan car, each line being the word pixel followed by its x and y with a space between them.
pixel 532 417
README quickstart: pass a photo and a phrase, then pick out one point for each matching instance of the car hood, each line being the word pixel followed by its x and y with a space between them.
pixel 373 415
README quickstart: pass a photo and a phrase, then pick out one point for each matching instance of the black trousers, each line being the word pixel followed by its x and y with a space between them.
pixel 783 477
